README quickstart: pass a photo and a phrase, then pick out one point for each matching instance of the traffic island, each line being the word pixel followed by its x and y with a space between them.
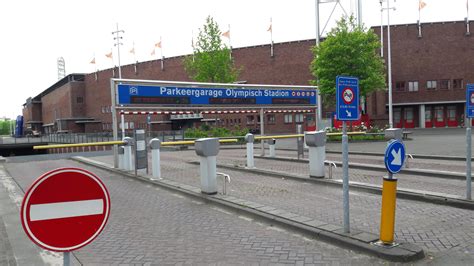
pixel 334 234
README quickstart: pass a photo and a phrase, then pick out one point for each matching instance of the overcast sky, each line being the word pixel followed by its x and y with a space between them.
pixel 35 33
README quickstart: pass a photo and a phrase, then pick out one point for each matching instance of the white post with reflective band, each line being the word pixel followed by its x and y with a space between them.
pixel 121 158
pixel 316 142
pixel 249 138
pixel 128 166
pixel 207 150
pixel 271 145
pixel 155 145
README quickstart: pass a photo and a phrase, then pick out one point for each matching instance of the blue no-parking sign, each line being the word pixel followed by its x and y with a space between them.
pixel 347 98
pixel 470 101
pixel 394 156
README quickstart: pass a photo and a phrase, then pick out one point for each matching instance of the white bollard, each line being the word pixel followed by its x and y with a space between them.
pixel 207 150
pixel 155 145
pixel 121 158
pixel 127 165
pixel 249 138
pixel 271 145
pixel 316 142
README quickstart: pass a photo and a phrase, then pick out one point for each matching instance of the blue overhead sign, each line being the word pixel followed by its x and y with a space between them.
pixel 347 98
pixel 166 95
pixel 470 101
pixel 394 156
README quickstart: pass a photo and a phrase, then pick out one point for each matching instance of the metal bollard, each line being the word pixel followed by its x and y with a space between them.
pixel 207 150
pixel 271 145
pixel 155 145
pixel 331 165
pixel 316 142
pixel 408 156
pixel 127 165
pixel 249 138
pixel 121 158
pixel 225 180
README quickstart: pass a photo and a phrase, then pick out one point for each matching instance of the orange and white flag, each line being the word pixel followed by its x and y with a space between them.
pixel 109 55
pixel 226 34
pixel 132 51
pixel 158 44
pixel 421 5
pixel 92 61
pixel 270 27
pixel 153 52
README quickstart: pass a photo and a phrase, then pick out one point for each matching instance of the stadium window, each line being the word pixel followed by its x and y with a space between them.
pixel 444 84
pixel 250 120
pixel 299 118
pixel 457 84
pixel 431 85
pixel 400 86
pixel 288 118
pixel 271 119
pixel 413 86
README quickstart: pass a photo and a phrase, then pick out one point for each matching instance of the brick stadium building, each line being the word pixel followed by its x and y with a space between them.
pixel 429 74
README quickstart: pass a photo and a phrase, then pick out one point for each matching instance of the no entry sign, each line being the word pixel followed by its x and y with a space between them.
pixel 65 209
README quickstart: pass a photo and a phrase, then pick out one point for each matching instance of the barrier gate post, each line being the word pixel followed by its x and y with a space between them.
pixel 155 145
pixel 207 150
pixel 249 138
pixel 316 142
pixel 271 147
pixel 127 164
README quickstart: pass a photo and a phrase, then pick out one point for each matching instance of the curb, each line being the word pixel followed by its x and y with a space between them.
pixel 411 194
pixel 357 240
pixel 421 172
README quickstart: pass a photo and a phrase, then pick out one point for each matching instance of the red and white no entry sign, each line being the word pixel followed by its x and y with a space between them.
pixel 65 209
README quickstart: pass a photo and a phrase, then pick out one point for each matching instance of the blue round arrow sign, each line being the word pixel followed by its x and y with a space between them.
pixel 394 156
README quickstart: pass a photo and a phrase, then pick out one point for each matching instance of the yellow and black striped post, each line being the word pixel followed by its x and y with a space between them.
pixel 387 221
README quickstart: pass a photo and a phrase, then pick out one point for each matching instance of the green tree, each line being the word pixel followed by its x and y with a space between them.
pixel 5 127
pixel 211 60
pixel 348 50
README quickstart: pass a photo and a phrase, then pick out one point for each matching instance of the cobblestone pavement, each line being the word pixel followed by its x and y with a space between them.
pixel 437 228
pixel 149 225
pixel 435 184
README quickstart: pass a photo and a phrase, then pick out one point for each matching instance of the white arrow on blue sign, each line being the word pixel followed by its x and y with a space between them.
pixel 394 156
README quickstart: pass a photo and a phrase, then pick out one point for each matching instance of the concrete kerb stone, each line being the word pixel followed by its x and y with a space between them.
pixel 422 172
pixel 423 196
pixel 359 241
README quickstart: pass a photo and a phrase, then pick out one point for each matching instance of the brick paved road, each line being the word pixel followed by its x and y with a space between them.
pixel 6 254
pixel 410 181
pixel 437 228
pixel 149 225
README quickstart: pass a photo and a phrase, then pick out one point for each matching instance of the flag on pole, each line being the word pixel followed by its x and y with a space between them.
pixel 226 34
pixel 158 44
pixel 109 55
pixel 153 52
pixel 270 27
pixel 132 51
pixel 421 5
pixel 92 61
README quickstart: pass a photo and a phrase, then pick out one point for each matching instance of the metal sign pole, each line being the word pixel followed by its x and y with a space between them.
pixel 262 132
pixel 66 258
pixel 345 177
pixel 114 121
pixel 468 158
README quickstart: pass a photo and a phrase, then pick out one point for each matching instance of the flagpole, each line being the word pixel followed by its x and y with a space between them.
pixel 230 45
pixel 467 18
pixel 271 37
pixel 161 52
